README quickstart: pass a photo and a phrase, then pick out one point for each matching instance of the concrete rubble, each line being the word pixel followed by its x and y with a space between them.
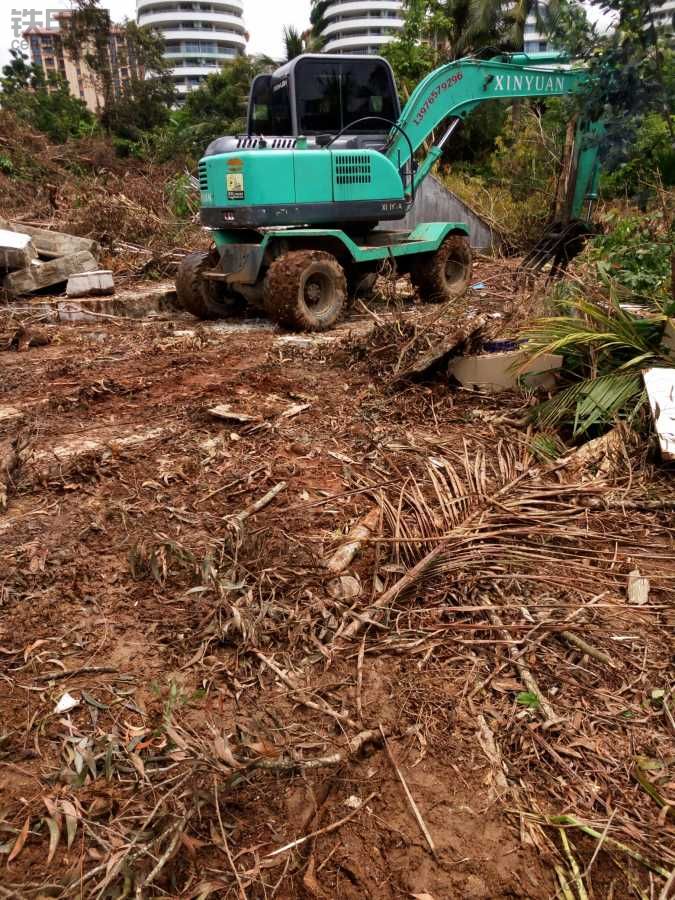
pixel 91 284
pixel 41 275
pixel 17 251
pixel 32 259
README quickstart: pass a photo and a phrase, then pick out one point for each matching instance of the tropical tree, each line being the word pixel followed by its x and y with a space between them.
pixel 293 43
pixel 45 104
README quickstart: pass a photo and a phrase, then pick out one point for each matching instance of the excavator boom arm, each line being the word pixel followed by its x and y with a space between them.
pixel 454 90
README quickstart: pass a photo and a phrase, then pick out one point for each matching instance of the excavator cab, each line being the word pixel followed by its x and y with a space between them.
pixel 319 94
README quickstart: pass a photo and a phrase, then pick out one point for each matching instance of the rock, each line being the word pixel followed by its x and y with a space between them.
pixel 17 251
pixel 91 284
pixel 47 274
pixel 346 587
pixel 54 244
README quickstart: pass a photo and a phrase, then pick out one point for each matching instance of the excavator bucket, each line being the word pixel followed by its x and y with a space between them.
pixel 557 247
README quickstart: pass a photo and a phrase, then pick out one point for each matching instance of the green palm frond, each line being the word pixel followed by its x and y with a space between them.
pixel 592 402
pixel 605 348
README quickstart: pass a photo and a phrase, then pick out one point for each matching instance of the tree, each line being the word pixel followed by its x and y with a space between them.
pixel 145 100
pixel 218 107
pixel 410 56
pixel 318 22
pixel 631 74
pixel 293 43
pixel 45 104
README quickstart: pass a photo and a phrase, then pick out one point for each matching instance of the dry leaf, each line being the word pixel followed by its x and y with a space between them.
pixel 346 587
pixel 54 837
pixel 224 753
pixel 20 841
pixel 137 763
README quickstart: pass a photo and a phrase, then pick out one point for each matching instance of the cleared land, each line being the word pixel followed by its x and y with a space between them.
pixel 232 693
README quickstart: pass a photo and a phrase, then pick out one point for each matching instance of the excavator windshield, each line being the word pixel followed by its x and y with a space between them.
pixel 323 94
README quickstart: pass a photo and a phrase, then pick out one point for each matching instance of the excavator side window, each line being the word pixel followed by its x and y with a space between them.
pixel 270 107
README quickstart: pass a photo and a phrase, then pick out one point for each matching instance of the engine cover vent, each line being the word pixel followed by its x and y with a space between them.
pixel 203 177
pixel 257 143
pixel 352 168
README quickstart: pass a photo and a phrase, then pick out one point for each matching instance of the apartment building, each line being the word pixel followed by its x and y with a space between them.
pixel 48 51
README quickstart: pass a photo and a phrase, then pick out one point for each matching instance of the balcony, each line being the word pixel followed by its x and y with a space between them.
pixel 194 71
pixel 362 25
pixel 163 20
pixel 194 34
pixel 358 42
pixel 357 6
pixel 143 4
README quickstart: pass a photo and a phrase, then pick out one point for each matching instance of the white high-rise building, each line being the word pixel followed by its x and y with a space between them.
pixel 199 37
pixel 534 40
pixel 361 26
pixel 663 15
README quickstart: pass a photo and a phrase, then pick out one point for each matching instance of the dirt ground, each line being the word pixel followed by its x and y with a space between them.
pixel 188 688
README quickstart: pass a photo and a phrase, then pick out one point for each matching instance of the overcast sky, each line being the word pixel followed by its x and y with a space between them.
pixel 265 20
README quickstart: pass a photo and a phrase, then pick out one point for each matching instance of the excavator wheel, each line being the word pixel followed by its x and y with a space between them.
pixel 305 290
pixel 196 294
pixel 441 276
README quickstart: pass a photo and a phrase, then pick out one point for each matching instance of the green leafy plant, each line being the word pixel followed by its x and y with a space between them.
pixel 634 255
pixel 6 165
pixel 182 198
pixel 528 699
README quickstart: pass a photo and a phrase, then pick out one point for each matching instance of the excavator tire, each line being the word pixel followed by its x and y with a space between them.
pixel 441 276
pixel 196 294
pixel 305 290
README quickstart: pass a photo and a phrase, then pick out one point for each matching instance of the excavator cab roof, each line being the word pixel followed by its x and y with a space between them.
pixel 319 93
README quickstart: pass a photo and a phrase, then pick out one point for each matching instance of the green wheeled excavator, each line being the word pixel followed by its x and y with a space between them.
pixel 294 205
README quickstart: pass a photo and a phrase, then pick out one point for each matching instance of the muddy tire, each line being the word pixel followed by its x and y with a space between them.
pixel 441 276
pixel 196 294
pixel 305 290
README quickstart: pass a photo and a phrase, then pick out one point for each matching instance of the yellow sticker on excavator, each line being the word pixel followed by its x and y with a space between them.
pixel 235 187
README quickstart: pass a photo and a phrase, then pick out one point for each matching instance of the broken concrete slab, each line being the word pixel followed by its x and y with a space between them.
pixel 42 275
pixel 91 284
pixel 506 371
pixel 660 384
pixel 16 251
pixel 125 304
pixel 41 465
pixel 54 244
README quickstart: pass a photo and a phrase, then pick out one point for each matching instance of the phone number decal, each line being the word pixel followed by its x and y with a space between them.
pixel 433 97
